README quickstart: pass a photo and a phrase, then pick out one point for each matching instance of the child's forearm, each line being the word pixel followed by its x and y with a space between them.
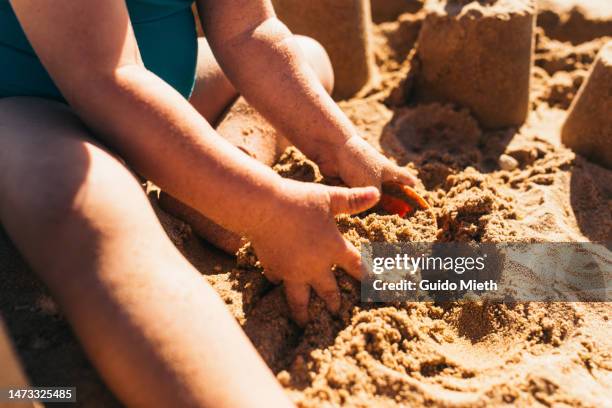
pixel 281 85
pixel 163 138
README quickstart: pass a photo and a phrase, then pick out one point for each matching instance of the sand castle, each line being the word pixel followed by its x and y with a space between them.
pixel 588 127
pixel 478 54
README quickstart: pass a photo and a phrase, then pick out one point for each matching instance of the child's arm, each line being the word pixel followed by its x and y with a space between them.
pixel 89 49
pixel 262 59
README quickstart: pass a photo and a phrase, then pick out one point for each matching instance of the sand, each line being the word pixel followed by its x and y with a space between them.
pixel 509 184
pixel 588 126
pixel 485 186
pixel 477 54
pixel 575 21
pixel 452 354
pixel 388 10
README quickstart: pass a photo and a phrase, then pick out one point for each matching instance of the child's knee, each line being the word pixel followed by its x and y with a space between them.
pixel 318 60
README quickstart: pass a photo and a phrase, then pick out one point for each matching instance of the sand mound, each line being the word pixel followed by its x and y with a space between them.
pixel 423 354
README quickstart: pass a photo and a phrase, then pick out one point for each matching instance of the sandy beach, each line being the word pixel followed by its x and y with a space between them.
pixel 486 184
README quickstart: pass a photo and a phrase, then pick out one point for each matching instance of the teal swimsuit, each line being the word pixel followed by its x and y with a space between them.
pixel 164 29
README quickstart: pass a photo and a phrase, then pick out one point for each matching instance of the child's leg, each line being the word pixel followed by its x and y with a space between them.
pixel 242 125
pixel 213 93
pixel 154 328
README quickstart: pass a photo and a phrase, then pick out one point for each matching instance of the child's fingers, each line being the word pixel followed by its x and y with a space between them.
pixel 400 175
pixel 350 261
pixel 352 200
pixel 326 287
pixel 298 295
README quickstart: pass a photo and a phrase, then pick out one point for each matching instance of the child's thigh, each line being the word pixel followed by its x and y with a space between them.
pixel 63 196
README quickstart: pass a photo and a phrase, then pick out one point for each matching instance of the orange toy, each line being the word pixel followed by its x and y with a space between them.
pixel 398 198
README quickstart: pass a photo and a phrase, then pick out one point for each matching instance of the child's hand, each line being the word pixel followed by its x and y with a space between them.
pixel 300 242
pixel 357 163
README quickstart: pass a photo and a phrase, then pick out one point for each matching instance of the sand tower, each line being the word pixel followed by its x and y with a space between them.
pixel 588 127
pixel 478 54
